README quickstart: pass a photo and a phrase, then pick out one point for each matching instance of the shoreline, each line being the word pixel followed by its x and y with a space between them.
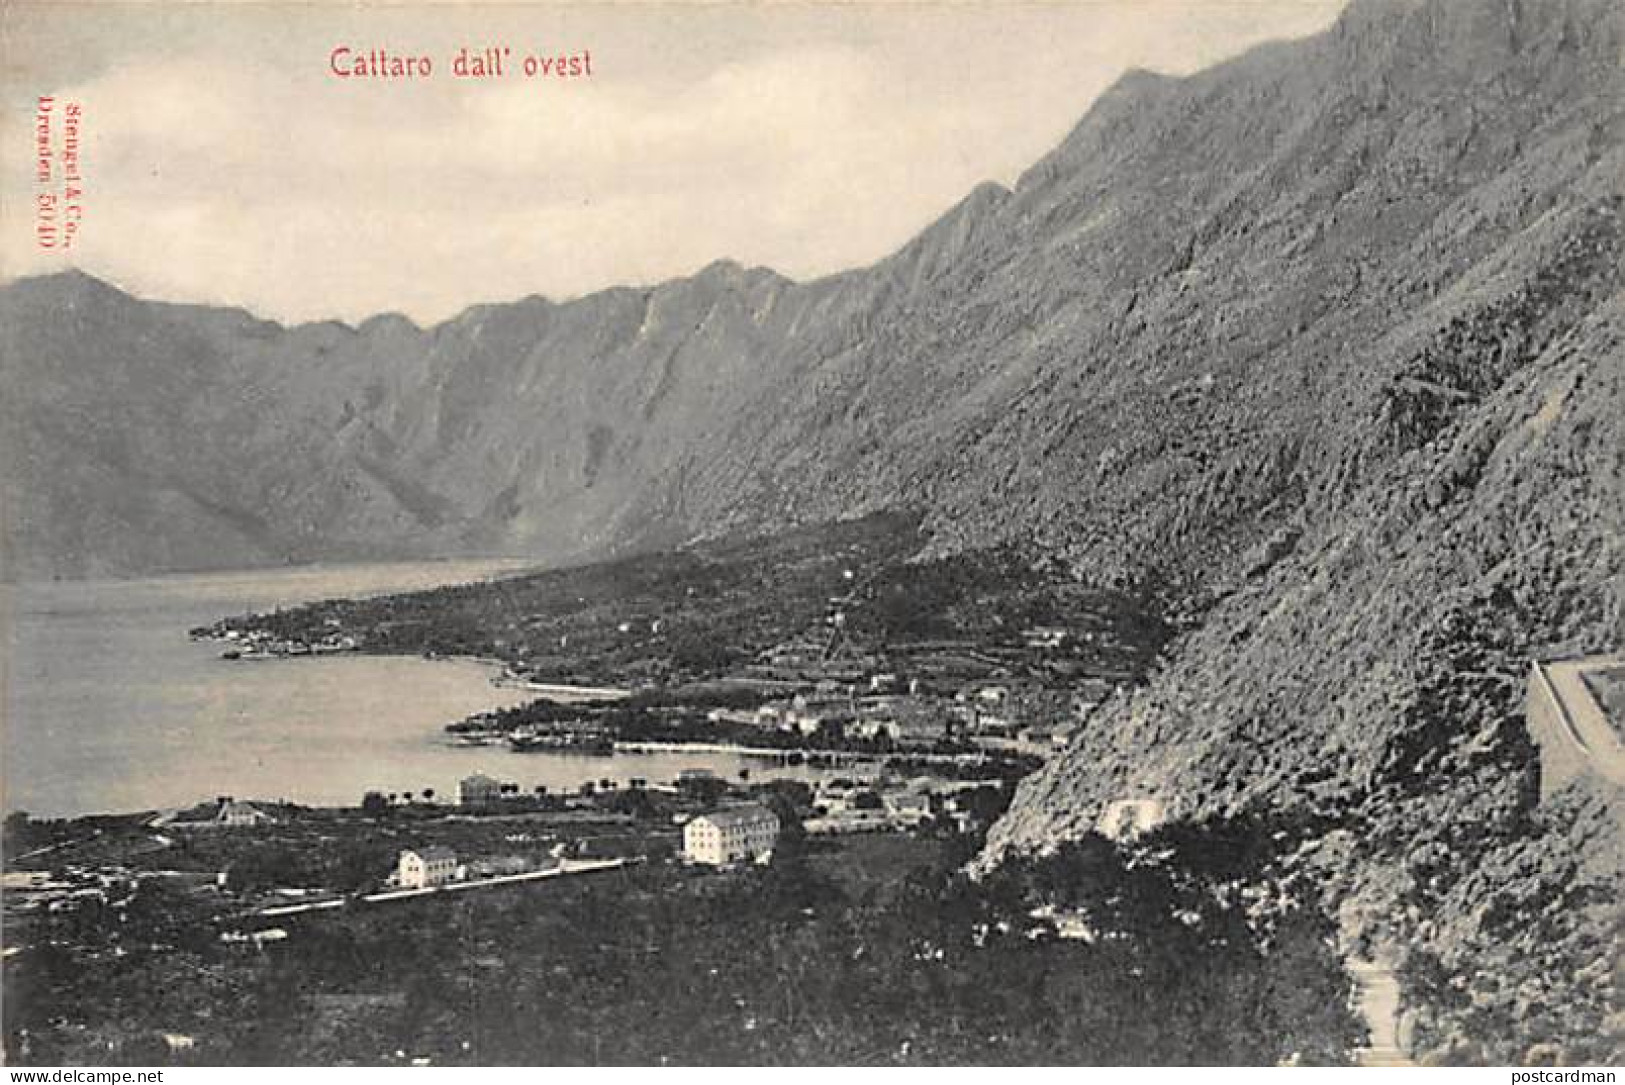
pixel 554 691
pixel 639 746
pixel 502 678
pixel 765 752
pixel 479 569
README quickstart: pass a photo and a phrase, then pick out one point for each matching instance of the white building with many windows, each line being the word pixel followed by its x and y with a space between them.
pixel 732 835
pixel 421 868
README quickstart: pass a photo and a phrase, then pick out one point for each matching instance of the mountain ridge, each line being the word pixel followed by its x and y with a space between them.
pixel 892 378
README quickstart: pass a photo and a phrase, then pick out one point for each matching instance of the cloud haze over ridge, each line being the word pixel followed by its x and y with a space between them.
pixel 225 163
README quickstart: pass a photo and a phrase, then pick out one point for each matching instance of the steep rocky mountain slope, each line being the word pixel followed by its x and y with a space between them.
pixel 1458 512
pixel 1221 302
pixel 1372 680
pixel 1226 302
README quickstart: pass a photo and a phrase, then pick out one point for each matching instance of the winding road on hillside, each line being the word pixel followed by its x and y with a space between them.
pixel 1584 723
pixel 1379 1005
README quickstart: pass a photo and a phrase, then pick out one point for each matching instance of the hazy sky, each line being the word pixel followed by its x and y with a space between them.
pixel 223 162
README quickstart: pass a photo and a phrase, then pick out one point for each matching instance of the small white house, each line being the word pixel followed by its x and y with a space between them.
pixel 13 881
pixel 1125 819
pixel 420 868
pixel 237 815
pixel 735 834
pixel 910 808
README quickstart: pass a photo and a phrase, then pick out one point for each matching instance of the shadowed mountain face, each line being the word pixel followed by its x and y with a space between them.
pixel 155 437
pixel 1223 303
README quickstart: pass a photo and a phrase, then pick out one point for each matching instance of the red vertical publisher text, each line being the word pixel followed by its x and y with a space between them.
pixel 59 183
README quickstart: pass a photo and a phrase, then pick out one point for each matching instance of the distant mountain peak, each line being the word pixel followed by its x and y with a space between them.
pixel 388 322
pixel 69 279
pixel 733 272
pixel 1135 80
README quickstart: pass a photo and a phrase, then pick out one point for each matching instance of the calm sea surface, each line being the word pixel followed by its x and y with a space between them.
pixel 109 707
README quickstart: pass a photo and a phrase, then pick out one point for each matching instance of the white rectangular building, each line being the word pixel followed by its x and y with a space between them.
pixel 423 867
pixel 731 835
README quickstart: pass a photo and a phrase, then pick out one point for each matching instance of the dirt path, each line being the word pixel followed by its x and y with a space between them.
pixel 1379 1005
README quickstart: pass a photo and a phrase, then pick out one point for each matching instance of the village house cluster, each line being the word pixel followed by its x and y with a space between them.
pixel 262 644
pixel 892 714
pixel 887 803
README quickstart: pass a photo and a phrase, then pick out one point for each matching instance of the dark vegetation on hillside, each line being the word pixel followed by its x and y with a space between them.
pixel 865 955
pixel 713 609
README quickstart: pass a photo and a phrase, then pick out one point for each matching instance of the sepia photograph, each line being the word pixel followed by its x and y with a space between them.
pixel 858 533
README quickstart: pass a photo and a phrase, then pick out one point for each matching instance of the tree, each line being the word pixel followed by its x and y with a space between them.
pixel 428 794
pixel 354 867
pixel 636 803
pixel 794 795
pixel 374 804
pixel 696 651
pixel 831 734
pixel 704 789
pixel 1305 1008
pixel 15 832
pixel 264 866
pixel 788 799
